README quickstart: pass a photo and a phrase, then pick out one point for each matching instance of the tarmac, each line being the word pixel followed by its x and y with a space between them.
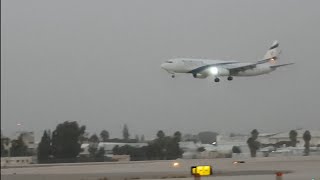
pixel 294 168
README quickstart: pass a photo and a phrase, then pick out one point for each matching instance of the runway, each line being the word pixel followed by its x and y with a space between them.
pixel 295 168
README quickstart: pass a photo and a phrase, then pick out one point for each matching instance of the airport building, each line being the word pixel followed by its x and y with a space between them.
pixel 16 161
pixel 315 137
pixel 28 139
pixel 224 145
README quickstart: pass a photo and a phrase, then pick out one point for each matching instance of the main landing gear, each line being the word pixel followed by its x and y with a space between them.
pixel 230 78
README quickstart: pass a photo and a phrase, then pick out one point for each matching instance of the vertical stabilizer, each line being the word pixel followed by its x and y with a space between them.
pixel 273 52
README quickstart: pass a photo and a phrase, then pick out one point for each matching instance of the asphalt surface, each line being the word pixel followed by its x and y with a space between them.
pixel 294 168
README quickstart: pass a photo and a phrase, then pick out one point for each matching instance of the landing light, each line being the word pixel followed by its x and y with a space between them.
pixel 273 60
pixel 236 162
pixel 213 70
pixel 175 164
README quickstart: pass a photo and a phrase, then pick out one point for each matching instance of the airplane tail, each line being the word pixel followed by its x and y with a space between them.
pixel 272 56
pixel 273 53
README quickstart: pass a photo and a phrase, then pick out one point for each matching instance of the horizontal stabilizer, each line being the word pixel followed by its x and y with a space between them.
pixel 276 66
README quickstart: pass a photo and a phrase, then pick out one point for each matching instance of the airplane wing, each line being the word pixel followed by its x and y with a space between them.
pixel 202 68
pixel 234 69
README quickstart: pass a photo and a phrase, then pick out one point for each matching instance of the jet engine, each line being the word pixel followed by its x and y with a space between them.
pixel 218 71
pixel 200 76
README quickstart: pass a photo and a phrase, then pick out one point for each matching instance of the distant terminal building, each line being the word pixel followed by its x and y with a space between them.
pixel 28 139
pixel 284 136
pixel 221 148
pixel 225 144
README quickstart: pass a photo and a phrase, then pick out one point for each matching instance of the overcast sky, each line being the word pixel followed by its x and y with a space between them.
pixel 98 62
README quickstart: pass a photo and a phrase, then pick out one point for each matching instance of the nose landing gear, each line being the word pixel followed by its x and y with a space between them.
pixel 230 78
pixel 216 80
pixel 173 75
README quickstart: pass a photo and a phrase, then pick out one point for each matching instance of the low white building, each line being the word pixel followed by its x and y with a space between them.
pixel 218 150
pixel 264 138
pixel 225 143
pixel 190 149
pixel 189 146
pixel 294 151
pixel 16 161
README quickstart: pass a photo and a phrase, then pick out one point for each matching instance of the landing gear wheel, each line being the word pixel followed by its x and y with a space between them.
pixel 173 76
pixel 230 78
pixel 216 80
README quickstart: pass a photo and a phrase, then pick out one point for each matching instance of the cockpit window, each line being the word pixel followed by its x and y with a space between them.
pixel 169 62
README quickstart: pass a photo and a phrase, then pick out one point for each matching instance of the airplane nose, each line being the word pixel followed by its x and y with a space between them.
pixel 163 65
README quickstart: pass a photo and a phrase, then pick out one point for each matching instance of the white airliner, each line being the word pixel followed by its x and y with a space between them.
pixel 203 68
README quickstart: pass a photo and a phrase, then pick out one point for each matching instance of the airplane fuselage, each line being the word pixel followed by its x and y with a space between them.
pixel 203 68
pixel 182 65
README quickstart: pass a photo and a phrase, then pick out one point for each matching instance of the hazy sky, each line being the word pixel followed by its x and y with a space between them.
pixel 98 62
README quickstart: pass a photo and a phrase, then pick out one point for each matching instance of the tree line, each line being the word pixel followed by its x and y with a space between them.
pixel 64 145
pixel 162 148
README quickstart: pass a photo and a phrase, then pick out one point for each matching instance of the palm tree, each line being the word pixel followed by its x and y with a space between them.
pixel 160 134
pixel 125 132
pixel 252 143
pixel 306 138
pixel 293 137
pixel 104 135
pixel 177 136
